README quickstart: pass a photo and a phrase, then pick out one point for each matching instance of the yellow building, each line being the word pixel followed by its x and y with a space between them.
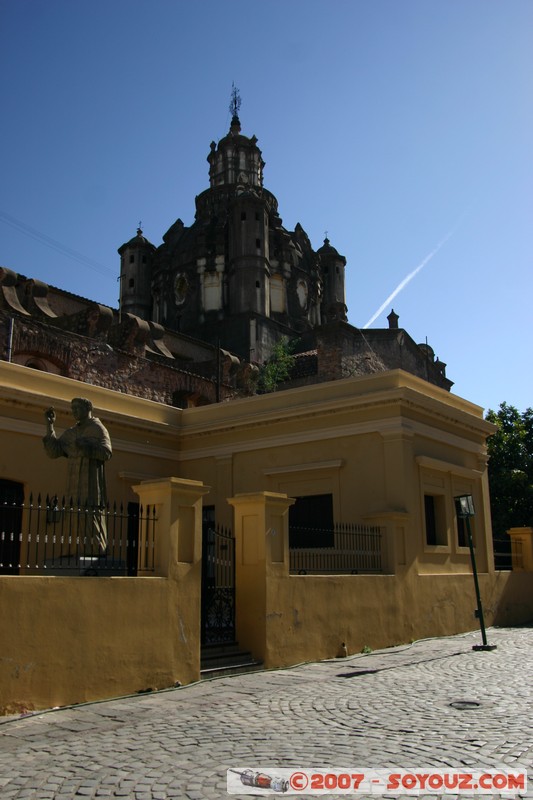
pixel 368 465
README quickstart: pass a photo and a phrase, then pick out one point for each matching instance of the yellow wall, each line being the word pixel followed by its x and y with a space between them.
pixel 310 616
pixel 287 619
pixel 69 640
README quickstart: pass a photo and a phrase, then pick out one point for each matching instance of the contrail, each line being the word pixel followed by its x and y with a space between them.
pixel 412 274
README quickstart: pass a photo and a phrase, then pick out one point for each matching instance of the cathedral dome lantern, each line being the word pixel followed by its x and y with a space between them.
pixel 236 159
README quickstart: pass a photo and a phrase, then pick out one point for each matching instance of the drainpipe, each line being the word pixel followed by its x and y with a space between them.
pixel 217 385
pixel 119 279
pixel 10 338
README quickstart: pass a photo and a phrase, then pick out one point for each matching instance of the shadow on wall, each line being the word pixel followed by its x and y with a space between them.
pixel 511 604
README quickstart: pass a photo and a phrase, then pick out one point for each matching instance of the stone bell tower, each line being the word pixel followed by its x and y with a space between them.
pixel 334 297
pixel 136 276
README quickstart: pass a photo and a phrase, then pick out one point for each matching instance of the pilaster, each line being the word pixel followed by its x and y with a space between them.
pixel 178 538
pixel 521 548
pixel 261 552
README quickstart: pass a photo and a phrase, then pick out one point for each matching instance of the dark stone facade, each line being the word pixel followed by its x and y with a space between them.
pixel 235 276
pixel 343 351
pixel 200 312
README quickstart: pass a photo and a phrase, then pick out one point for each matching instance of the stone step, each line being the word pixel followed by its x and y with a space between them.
pixel 226 659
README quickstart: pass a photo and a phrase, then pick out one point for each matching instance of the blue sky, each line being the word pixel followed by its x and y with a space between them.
pixel 392 124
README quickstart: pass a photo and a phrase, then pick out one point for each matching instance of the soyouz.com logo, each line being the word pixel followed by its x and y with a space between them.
pixel 270 781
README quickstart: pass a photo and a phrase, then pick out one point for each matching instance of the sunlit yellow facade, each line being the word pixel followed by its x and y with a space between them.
pixel 379 446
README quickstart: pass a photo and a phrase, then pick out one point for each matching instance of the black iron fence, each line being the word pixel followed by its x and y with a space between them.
pixel 507 552
pixel 346 548
pixel 503 559
pixel 55 536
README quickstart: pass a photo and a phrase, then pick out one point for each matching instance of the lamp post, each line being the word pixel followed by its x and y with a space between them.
pixel 464 507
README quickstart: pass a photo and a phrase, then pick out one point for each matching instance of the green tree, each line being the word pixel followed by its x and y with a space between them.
pixel 511 468
pixel 278 367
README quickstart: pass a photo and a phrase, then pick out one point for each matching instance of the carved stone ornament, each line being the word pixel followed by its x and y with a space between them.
pixel 302 292
pixel 181 287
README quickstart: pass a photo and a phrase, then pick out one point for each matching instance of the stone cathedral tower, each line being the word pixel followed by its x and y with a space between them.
pixel 236 276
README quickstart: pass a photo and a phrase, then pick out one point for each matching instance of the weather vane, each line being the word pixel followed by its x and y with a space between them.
pixel 235 103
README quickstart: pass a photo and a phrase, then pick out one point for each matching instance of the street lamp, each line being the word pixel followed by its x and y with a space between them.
pixel 464 508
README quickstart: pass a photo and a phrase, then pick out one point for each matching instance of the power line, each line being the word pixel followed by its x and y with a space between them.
pixel 27 230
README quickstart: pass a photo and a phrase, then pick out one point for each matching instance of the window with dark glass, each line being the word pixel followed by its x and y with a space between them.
pixel 435 519
pixel 462 539
pixel 311 521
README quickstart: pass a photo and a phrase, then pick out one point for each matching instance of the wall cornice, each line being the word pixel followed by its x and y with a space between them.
pixel 438 465
pixel 391 404
pixel 393 410
pixel 318 465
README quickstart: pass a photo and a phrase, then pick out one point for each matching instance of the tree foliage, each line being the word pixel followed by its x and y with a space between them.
pixel 278 367
pixel 511 468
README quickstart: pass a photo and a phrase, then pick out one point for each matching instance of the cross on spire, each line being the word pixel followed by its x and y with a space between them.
pixel 235 103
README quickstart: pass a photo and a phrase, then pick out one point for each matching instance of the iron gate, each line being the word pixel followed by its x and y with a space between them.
pixel 218 585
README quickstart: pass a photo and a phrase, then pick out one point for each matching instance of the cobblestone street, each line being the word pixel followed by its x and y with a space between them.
pixel 391 708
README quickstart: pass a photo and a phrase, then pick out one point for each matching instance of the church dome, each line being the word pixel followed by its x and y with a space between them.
pixel 137 241
pixel 329 254
pixel 328 249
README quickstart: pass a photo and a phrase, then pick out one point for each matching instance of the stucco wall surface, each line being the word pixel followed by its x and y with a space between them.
pixel 308 617
pixel 71 640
